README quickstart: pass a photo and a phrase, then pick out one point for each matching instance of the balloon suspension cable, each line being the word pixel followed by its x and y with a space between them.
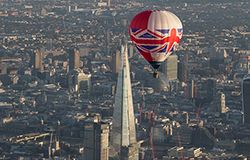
pixel 156 74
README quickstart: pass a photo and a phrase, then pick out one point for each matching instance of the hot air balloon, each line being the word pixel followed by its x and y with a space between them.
pixel 155 34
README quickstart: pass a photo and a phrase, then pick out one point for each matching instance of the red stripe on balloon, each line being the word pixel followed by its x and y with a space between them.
pixel 141 20
pixel 146 55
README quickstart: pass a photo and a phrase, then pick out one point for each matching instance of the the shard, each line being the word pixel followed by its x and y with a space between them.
pixel 123 128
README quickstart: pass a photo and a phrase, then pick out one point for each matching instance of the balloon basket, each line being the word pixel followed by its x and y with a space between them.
pixel 156 74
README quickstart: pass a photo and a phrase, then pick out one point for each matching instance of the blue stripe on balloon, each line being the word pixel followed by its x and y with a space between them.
pixel 134 29
pixel 147 35
pixel 164 49
pixel 163 31
pixel 138 48
pixel 149 47
pixel 172 49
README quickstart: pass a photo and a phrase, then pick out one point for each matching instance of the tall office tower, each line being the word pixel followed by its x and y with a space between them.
pixel 180 71
pixel 37 60
pixel 246 100
pixel 222 103
pixel 69 9
pixel 183 69
pixel 108 43
pixel 216 58
pixel 192 89
pixel 248 65
pixel 116 61
pixel 1 66
pixel 210 87
pixel 123 129
pixel 74 59
pixel 130 50
pixel 96 141
pixel 169 67
pixel 109 3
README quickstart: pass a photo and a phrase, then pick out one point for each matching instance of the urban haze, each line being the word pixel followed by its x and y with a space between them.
pixel 73 85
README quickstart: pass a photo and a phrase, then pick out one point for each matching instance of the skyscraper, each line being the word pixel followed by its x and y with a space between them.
pixel 109 3
pixel 183 69
pixel 116 61
pixel 192 90
pixel 74 59
pixel 108 42
pixel 37 60
pixel 248 64
pixel 130 50
pixel 222 103
pixel 210 87
pixel 246 100
pixel 169 67
pixel 96 144
pixel 123 129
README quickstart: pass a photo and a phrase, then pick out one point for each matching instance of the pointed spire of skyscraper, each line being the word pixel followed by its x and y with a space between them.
pixel 123 129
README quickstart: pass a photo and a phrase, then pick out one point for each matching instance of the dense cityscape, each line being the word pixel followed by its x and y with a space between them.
pixel 73 86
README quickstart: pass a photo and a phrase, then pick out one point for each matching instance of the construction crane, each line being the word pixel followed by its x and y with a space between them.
pixel 52 150
pixel 50 145
pixel 140 114
pixel 27 137
pixel 142 106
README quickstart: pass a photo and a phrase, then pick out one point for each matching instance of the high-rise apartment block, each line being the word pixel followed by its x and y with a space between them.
pixel 74 59
pixel 116 61
pixel 246 100
pixel 37 60
pixel 170 66
pixel 96 141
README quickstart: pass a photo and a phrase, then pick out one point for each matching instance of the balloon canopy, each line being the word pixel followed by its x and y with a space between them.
pixel 155 34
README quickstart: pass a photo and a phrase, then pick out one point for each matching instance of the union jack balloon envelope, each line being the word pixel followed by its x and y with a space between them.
pixel 155 34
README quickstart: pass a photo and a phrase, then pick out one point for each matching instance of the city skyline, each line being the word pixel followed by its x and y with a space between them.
pixel 68 72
